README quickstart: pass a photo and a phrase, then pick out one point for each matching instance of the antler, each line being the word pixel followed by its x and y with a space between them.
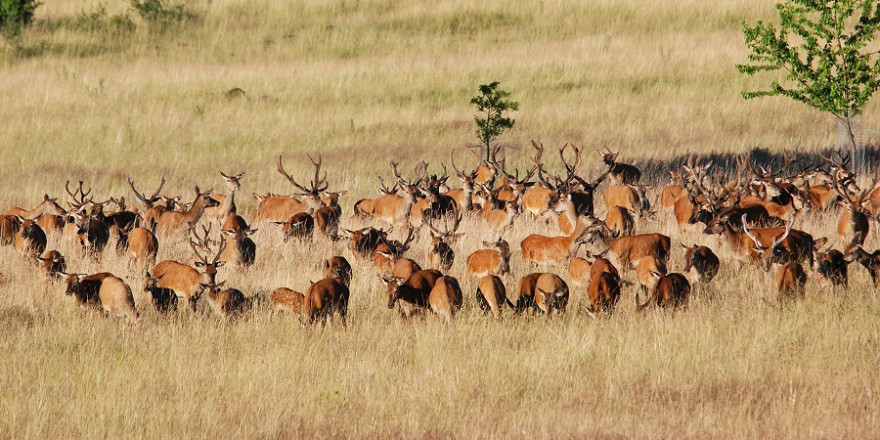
pixel 318 184
pixel 147 200
pixel 784 235
pixel 77 202
pixel 758 244
pixel 383 188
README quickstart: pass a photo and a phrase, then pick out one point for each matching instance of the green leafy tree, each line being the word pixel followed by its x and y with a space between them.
pixel 15 14
pixel 491 121
pixel 823 46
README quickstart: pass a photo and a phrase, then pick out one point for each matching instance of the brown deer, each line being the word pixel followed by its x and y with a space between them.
pixel 440 255
pixel 485 262
pixel 363 242
pixel 187 282
pixel 171 222
pixel 103 291
pixel 525 291
pixel 543 249
pixel 240 250
pixel 791 281
pixel 649 270
pixel 630 248
pixel 411 295
pixel 143 245
pixel 152 209
pixel 701 264
pixel 394 208
pixel 551 293
pixel 832 265
pixel 52 264
pixel 47 206
pixel 621 173
pixel 778 245
pixel 445 297
pixel 164 300
pixel 281 208
pixel 226 202
pixel 286 300
pixel 620 221
pixel 672 290
pixel 853 226
pixel 300 226
pixel 30 239
pixel 491 294
pixel 404 268
pixel 8 229
pixel 871 262
pixel 604 293
pixel 338 267
pixel 226 303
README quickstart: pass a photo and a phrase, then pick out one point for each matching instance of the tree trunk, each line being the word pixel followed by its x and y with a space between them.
pixel 856 165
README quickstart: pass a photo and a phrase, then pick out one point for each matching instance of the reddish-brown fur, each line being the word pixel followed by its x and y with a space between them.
pixel 491 294
pixel 445 297
pixel 286 300
pixel 551 293
pixel 325 298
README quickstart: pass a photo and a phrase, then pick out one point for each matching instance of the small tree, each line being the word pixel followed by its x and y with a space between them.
pixel 822 47
pixel 14 14
pixel 491 121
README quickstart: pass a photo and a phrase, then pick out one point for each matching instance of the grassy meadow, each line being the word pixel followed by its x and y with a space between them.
pixel 92 91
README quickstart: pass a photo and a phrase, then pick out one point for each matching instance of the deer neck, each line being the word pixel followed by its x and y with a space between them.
pixel 195 212
pixel 228 206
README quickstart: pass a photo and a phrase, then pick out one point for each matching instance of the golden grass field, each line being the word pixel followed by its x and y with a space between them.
pixel 364 81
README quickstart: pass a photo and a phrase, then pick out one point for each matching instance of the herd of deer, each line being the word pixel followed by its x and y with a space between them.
pixel 753 213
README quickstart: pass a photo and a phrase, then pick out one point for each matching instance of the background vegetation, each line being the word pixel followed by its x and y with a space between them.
pixel 102 91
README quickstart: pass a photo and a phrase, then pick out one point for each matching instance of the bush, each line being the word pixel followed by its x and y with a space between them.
pixel 160 14
pixel 14 14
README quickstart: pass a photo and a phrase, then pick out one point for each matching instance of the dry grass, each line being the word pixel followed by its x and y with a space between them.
pixel 363 81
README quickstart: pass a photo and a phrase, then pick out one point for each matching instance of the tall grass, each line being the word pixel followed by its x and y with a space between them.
pixel 100 95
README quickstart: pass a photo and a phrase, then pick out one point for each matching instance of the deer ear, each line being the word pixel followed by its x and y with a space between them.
pixel 199 264
pixel 220 264
pixel 820 242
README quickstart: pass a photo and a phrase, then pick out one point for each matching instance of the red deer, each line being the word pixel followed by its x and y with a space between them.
pixel 30 239
pixel 8 229
pixel 116 298
pixel 227 302
pixel 364 208
pixel 490 261
pixel 602 264
pixel 630 248
pixel 389 252
pixel 164 300
pixel 152 210
pixel 672 290
pixel 286 300
pixel 411 295
pixel 445 298
pixel 579 271
pixel 173 221
pixel 551 293
pixel 790 281
pixel 649 270
pixel 226 204
pixel 500 220
pixel 833 266
pixel 363 242
pixel 300 226
pixel 281 208
pixel 674 192
pixel 404 268
pixel 853 226
pixel 621 173
pixel 777 245
pixel 52 264
pixel 620 221
pixel 103 291
pixel 51 223
pixel 338 267
pixel 525 291
pixel 47 206
pixel 186 281
pixel 604 293
pixel 441 256
pixel 631 198
pixel 871 262
pixel 542 249
pixel 464 196
pixel 84 288
pixel 143 245
pixel 701 264
pixel 240 250
pixel 491 294
pixel 393 208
